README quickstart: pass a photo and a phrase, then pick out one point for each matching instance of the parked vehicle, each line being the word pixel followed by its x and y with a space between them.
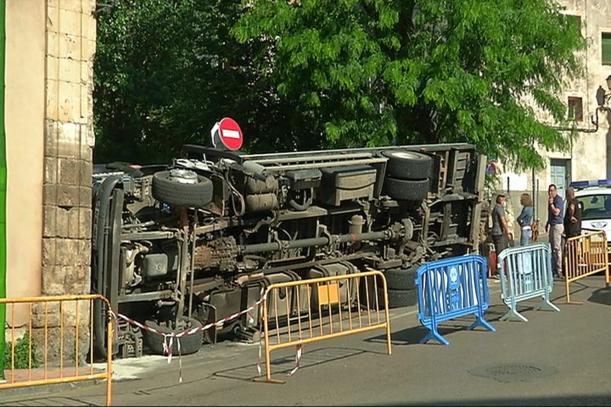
pixel 181 245
pixel 595 199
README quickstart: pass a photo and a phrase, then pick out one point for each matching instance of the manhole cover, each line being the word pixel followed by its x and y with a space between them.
pixel 513 372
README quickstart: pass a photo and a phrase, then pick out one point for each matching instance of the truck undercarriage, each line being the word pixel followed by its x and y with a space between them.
pixel 182 245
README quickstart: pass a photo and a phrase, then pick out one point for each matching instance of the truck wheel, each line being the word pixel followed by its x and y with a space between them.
pixel 402 298
pixel 406 190
pixel 401 279
pixel 182 188
pixel 188 344
pixel 404 164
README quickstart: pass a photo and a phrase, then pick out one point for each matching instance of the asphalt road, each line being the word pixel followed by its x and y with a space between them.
pixel 554 359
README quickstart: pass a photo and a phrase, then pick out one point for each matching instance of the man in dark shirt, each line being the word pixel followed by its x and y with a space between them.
pixel 572 217
pixel 555 227
pixel 500 229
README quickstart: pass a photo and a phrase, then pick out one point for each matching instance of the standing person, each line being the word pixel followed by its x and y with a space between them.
pixel 525 219
pixel 555 227
pixel 500 230
pixel 572 217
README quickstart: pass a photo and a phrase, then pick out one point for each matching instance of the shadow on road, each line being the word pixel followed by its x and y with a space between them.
pixel 601 296
pixel 283 365
pixel 413 335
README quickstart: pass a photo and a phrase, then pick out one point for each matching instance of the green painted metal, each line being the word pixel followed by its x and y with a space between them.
pixel 2 185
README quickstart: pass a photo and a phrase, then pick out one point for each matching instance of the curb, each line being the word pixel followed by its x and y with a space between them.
pixel 42 389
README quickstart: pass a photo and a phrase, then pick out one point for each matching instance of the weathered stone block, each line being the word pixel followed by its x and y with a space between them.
pixel 69 171
pixel 85 218
pixel 73 222
pixel 53 280
pixel 85 196
pixel 48 252
pixel 52 66
pixel 86 169
pixel 67 252
pixel 69 103
pixel 77 280
pixel 52 105
pixel 88 49
pixel 69 22
pixel 85 250
pixel 69 68
pixel 49 219
pixel 49 192
pixel 86 153
pixel 50 137
pixel 70 47
pixel 53 19
pixel 68 136
pixel 67 195
pixel 50 175
pixel 63 346
pixel 61 223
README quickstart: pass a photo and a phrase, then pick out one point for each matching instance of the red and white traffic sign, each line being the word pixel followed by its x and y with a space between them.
pixel 228 132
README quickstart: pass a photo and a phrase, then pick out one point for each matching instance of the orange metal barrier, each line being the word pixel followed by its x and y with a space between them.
pixel 65 369
pixel 585 255
pixel 313 310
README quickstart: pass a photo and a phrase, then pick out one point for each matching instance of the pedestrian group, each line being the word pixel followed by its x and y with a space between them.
pixel 562 223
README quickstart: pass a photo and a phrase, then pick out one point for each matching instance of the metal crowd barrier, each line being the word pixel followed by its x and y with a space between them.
pixel 525 273
pixel 585 255
pixel 452 288
pixel 48 328
pixel 302 312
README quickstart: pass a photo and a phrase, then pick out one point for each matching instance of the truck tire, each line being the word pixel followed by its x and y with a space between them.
pixel 406 190
pixel 169 189
pixel 188 344
pixel 402 298
pixel 405 164
pixel 401 279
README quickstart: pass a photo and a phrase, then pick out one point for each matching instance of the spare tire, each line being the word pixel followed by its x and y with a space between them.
pixel 401 279
pixel 188 344
pixel 182 188
pixel 405 164
pixel 406 190
pixel 402 298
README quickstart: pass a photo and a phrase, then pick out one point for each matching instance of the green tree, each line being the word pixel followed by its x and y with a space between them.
pixel 167 70
pixel 376 72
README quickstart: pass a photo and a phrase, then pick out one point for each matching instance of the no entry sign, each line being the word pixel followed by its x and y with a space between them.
pixel 228 132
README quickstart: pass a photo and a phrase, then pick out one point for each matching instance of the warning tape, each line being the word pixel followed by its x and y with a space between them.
pixel 168 338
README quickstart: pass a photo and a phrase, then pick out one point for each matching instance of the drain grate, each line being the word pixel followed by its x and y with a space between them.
pixel 513 372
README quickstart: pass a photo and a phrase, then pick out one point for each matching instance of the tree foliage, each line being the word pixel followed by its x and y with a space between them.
pixel 165 72
pixel 422 71
pixel 312 74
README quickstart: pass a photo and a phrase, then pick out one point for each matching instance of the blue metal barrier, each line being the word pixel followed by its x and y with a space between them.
pixel 452 288
pixel 526 273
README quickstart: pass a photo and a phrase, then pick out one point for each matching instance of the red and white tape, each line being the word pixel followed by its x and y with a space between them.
pixel 168 338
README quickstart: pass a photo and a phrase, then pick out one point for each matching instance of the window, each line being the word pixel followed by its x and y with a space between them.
pixel 575 109
pixel 606 48
pixel 574 22
pixel 595 206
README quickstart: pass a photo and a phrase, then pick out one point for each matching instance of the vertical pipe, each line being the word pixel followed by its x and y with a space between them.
pixel 3 175
pixel 268 363
pixel 109 347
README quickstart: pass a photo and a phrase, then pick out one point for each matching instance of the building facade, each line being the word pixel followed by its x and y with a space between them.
pixel 590 147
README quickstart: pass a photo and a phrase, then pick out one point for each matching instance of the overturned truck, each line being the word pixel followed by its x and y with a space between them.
pixel 181 245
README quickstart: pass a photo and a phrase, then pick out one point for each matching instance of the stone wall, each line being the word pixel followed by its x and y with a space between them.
pixel 69 140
